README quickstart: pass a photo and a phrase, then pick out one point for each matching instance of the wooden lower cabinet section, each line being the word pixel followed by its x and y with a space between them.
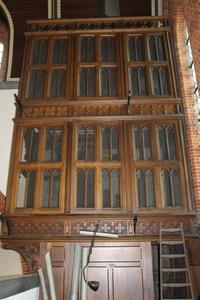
pixel 124 270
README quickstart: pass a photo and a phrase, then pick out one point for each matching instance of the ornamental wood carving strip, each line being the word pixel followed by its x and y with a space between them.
pixel 101 110
pixel 19 227
pixel 62 227
pixel 94 24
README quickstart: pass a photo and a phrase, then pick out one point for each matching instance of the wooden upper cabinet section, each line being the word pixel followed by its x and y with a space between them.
pixel 99 166
pixel 47 69
pixel 97 59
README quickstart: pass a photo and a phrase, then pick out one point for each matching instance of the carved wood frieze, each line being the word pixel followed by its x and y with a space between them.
pixel 100 110
pixel 127 227
pixel 109 24
pixel 63 227
pixel 29 251
pixel 19 227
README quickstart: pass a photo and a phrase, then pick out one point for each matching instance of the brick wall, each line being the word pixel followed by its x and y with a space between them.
pixel 179 12
pixel 25 269
pixel 191 10
pixel 2 202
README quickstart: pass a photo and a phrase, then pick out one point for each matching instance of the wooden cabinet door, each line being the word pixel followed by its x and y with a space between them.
pixel 128 283
pixel 124 272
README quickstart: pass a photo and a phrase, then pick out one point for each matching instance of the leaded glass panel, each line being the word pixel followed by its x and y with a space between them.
pixel 30 144
pixel 108 82
pixel 59 53
pixel 57 83
pixel 39 51
pixel 53 144
pixel 136 48
pixel 108 49
pixel 87 49
pixel 87 82
pixel 26 189
pixel 36 84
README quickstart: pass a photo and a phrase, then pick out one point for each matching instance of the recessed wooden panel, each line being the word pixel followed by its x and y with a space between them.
pixel 59 276
pixel 58 253
pixel 128 283
pixel 124 270
pixel 100 274
pixel 116 254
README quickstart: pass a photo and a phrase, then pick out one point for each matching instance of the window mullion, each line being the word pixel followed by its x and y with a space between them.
pixel 30 148
pixel 86 144
pixel 53 145
pixel 156 47
pixel 160 82
pixel 145 188
pixel 85 188
pixel 87 82
pixel 143 144
pixel 172 188
pixel 110 143
pixel 136 50
pixel 138 82
pixel 167 143
pixel 110 187
pixel 50 189
pixel 58 82
pixel 109 81
pixel 26 189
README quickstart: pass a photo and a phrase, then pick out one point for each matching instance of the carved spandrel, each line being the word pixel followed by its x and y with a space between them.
pixel 29 251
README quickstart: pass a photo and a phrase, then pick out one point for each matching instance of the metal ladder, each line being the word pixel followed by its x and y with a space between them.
pixel 175 280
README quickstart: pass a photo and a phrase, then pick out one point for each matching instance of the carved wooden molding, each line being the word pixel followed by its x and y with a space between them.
pixel 63 227
pixel 92 24
pixel 100 110
pixel 127 227
pixel 29 251
pixel 20 227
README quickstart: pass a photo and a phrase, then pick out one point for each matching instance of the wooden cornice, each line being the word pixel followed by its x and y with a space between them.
pixel 99 24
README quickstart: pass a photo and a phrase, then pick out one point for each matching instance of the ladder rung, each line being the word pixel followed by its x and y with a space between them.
pixel 170 229
pixel 173 255
pixel 172 242
pixel 176 284
pixel 178 239
pixel 175 270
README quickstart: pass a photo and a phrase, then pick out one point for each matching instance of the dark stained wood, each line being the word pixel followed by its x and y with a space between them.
pixel 124 268
pixel 121 269
pixel 79 9
pixel 22 10
pixel 135 8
